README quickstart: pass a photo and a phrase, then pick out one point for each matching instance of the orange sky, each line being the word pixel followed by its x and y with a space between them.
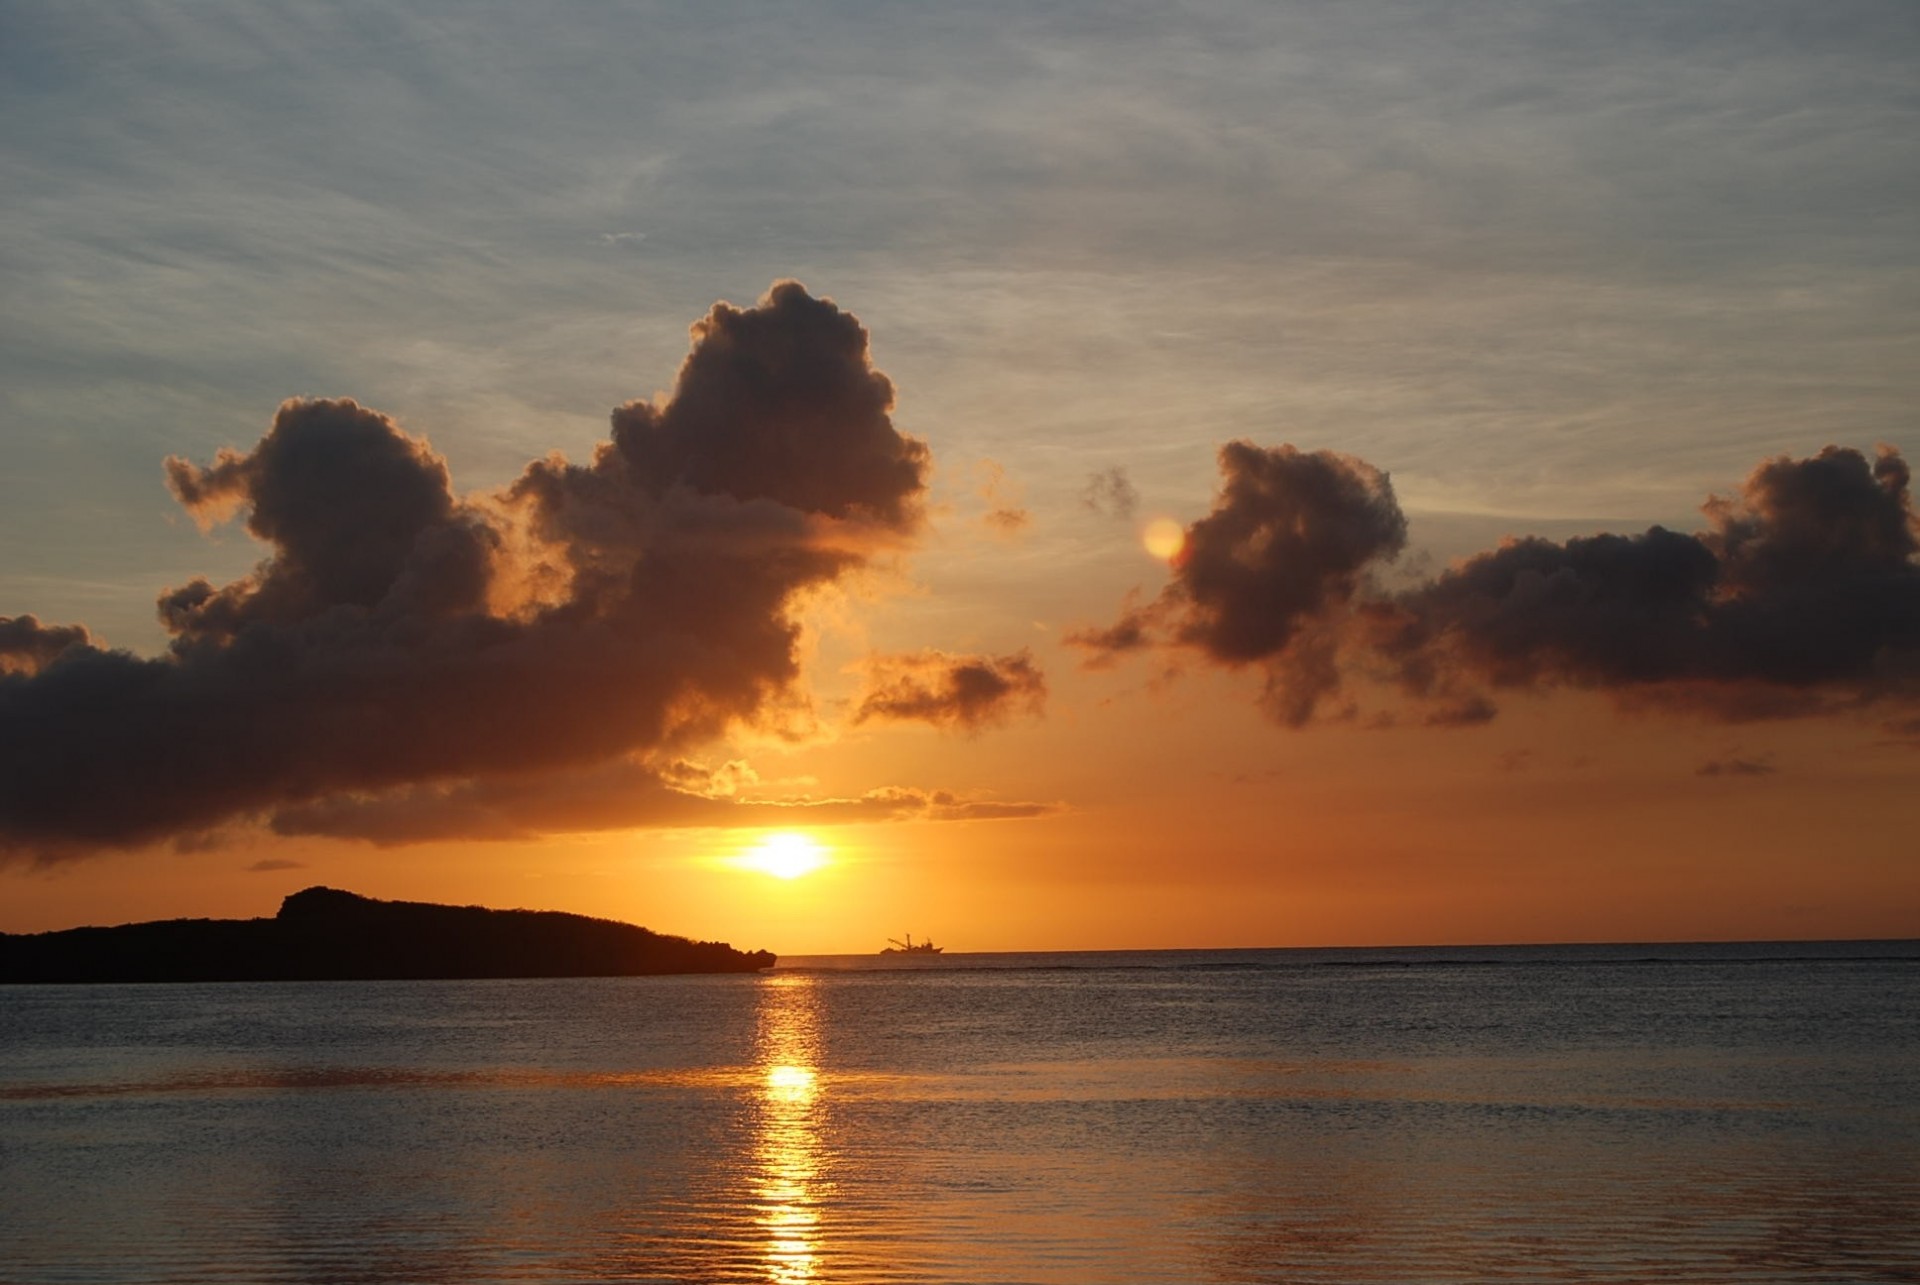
pixel 1187 820
pixel 531 597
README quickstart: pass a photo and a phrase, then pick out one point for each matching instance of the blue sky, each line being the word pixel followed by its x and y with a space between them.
pixel 1569 260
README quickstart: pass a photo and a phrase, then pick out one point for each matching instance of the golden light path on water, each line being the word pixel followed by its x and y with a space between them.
pixel 788 1146
pixel 1147 1123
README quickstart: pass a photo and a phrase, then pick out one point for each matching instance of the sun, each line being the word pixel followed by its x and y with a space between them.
pixel 785 856
pixel 1164 538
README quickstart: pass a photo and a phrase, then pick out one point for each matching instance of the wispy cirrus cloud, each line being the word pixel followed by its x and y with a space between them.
pixel 1736 766
pixel 621 795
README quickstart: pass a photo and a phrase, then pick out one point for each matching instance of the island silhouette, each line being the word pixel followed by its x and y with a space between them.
pixel 324 934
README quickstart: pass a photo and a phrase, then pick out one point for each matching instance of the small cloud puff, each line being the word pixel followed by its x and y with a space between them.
pixel 1111 494
pixel 955 693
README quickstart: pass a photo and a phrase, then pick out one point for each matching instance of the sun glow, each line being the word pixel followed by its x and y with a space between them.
pixel 785 856
pixel 1163 538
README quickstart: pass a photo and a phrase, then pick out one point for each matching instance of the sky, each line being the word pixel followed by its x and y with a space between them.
pixel 1074 476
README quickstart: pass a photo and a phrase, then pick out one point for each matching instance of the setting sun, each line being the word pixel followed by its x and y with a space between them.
pixel 1163 538
pixel 785 856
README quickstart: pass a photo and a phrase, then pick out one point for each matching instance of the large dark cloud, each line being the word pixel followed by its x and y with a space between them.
pixel 350 505
pixel 1259 580
pixel 399 637
pixel 780 403
pixel 964 693
pixel 1800 596
pixel 1289 538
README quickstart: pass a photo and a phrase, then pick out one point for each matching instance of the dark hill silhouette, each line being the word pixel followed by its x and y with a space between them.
pixel 324 934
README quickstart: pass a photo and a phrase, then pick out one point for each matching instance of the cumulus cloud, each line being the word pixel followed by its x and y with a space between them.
pixel 1264 578
pixel 1800 596
pixel 1289 539
pixel 964 693
pixel 27 646
pixel 400 638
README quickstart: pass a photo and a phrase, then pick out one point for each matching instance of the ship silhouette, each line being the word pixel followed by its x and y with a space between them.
pixel 910 947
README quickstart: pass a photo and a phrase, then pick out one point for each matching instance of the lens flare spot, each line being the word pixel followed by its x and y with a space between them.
pixel 1164 538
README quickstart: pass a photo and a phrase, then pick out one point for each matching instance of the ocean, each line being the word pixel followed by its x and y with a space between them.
pixel 1675 1113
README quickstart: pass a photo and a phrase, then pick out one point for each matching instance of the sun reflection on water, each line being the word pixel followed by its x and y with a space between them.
pixel 788 1151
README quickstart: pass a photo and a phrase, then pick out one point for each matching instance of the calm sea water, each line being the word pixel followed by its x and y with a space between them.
pixel 1735 1114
